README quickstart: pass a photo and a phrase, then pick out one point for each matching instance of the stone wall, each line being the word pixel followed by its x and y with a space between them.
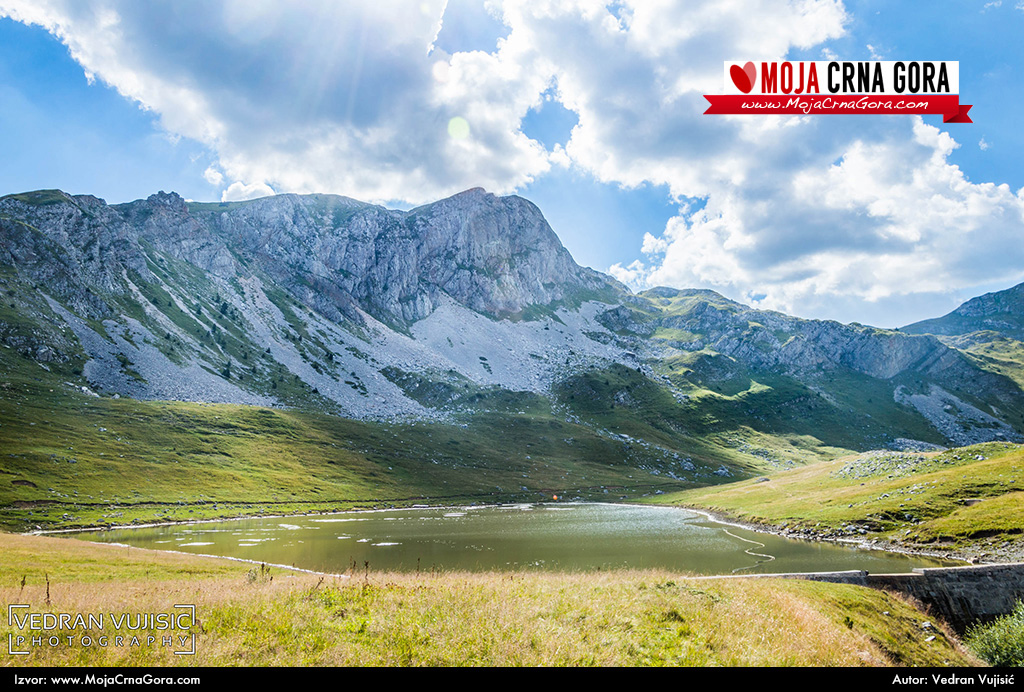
pixel 959 595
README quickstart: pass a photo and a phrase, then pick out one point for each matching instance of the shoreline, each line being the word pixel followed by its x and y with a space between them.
pixel 189 522
pixel 951 554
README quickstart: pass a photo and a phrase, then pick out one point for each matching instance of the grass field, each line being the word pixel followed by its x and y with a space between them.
pixel 967 499
pixel 72 460
pixel 75 460
pixel 246 616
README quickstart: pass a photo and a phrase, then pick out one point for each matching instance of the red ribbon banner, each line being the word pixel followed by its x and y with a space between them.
pixel 948 106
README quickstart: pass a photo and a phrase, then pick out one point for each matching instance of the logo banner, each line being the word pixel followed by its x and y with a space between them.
pixel 838 87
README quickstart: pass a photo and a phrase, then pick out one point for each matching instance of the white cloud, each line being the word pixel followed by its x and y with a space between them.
pixel 213 176
pixel 890 218
pixel 237 192
pixel 635 275
pixel 342 97
pixel 318 96
pixel 809 213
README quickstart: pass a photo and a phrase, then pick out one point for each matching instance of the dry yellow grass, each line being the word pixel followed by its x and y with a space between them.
pixel 67 560
pixel 497 619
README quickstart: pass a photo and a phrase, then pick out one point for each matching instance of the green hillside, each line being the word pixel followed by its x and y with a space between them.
pixel 966 501
pixel 71 459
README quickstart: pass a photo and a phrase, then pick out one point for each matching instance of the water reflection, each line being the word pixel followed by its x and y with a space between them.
pixel 568 537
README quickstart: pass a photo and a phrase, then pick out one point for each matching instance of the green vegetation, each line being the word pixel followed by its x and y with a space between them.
pixel 41 197
pixel 757 429
pixel 66 458
pixel 999 354
pixel 845 411
pixel 679 303
pixel 70 563
pixel 435 390
pixel 30 335
pixel 966 499
pixel 259 617
pixel 672 334
pixel 1000 642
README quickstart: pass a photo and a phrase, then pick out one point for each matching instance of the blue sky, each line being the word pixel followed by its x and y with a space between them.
pixel 592 110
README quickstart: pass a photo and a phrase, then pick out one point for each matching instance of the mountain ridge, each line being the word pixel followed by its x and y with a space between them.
pixel 998 311
pixel 356 310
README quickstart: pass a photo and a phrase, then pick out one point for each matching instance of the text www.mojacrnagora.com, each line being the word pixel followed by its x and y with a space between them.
pixel 104 680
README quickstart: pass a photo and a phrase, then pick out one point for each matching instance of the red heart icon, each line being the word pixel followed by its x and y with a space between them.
pixel 743 77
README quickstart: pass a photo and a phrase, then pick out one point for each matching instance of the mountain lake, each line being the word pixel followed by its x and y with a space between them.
pixel 559 536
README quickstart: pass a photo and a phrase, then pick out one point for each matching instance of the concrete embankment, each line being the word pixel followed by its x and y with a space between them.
pixel 959 595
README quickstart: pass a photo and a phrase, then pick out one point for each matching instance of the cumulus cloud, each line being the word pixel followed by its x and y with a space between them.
pixel 213 176
pixel 237 192
pixel 316 96
pixel 358 98
pixel 793 213
pixel 890 216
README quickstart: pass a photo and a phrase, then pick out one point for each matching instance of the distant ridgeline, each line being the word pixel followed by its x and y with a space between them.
pixel 471 307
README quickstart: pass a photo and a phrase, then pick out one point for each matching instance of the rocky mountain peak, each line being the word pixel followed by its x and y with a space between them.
pixel 1000 311
pixel 473 192
pixel 170 200
pixel 267 300
pixel 1010 300
pixel 495 255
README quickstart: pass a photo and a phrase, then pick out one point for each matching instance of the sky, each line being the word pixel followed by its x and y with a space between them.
pixel 592 110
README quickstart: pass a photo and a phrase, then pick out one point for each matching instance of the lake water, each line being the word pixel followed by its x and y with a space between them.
pixel 568 537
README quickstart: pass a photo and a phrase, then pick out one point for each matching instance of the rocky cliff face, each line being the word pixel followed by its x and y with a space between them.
pixel 328 302
pixel 494 255
pixel 76 247
pixel 172 299
pixel 1001 312
pixel 774 341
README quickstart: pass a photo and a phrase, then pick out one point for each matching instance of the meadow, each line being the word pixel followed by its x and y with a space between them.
pixel 255 616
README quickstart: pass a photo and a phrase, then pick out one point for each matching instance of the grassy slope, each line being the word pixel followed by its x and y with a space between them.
pixel 844 410
pixel 706 424
pixel 73 460
pixel 913 499
pixel 66 457
pixel 1000 354
pixel 622 618
pixel 837 406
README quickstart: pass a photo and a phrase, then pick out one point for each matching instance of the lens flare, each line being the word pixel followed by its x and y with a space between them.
pixel 458 128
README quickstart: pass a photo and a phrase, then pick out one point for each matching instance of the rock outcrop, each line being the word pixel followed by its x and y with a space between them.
pixel 326 301
pixel 1001 312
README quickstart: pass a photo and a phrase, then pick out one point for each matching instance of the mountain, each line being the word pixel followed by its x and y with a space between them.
pixel 316 300
pixel 989 329
pixel 1001 313
pixel 453 310
pixel 850 384
pixel 493 255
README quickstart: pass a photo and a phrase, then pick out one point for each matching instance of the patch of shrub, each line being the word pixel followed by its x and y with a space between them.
pixel 1000 642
